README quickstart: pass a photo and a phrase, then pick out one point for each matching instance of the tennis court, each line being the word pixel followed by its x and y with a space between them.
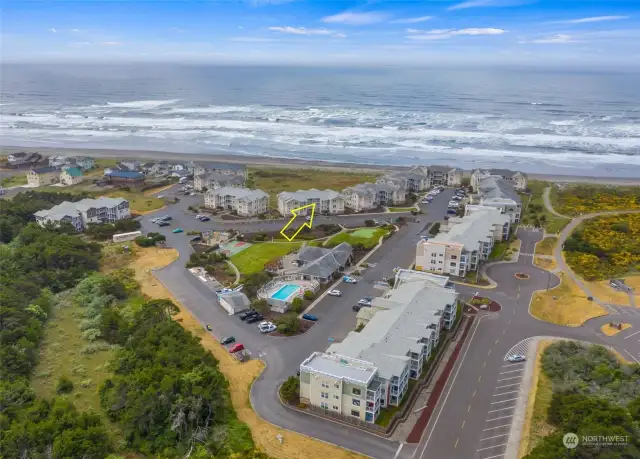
pixel 234 247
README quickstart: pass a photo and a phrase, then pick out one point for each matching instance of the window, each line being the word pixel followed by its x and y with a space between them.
pixel 355 413
pixel 452 265
pixel 440 262
pixel 355 391
pixel 355 402
pixel 335 407
pixel 324 405
pixel 454 257
pixel 336 385
pixel 441 254
pixel 324 384
pixel 324 394
pixel 433 262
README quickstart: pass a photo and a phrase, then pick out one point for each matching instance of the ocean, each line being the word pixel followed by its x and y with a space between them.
pixel 537 121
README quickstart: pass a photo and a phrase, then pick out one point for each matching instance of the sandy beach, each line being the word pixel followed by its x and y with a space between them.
pixel 279 162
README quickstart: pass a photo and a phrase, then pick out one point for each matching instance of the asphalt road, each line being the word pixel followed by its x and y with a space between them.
pixel 283 355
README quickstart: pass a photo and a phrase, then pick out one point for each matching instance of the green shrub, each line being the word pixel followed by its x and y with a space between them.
pixel 64 386
pixel 290 390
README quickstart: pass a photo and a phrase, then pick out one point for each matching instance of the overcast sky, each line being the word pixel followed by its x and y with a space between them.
pixel 326 31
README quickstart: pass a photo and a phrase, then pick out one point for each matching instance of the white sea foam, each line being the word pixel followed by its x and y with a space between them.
pixel 138 104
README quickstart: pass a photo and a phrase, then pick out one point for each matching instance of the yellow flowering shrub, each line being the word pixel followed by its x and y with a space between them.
pixel 605 247
pixel 584 199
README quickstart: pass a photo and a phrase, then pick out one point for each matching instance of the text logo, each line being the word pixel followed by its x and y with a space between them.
pixel 570 440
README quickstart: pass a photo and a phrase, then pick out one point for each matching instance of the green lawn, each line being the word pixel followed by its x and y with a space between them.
pixel 401 209
pixel 15 180
pixel 353 238
pixel 253 259
pixel 535 213
pixel 499 250
pixel 274 180
pixel 384 418
pixel 365 232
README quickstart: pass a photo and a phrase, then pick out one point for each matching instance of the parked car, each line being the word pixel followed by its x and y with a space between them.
pixel 166 218
pixel 160 196
pixel 199 216
pixel 308 218
pixel 163 224
pixel 334 293
pixel 178 230
pixel 227 340
pixel 310 317
pixel 208 327
pixel 266 327
pixel 366 301
pixel 245 315
pixel 192 194
pixel 349 280
pixel 356 307
pixel 452 212
pixel 196 238
pixel 255 318
pixel 516 358
pixel 236 348
pixel 204 219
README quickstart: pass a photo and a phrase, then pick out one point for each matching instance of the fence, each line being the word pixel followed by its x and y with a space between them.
pixel 126 236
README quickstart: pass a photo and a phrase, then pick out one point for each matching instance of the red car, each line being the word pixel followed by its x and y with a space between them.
pixel 236 348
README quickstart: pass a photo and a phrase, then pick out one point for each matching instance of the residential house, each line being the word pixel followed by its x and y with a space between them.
pixel 244 201
pixel 327 201
pixel 367 196
pixel 234 302
pixel 494 191
pixel 85 163
pixel 82 213
pixel 212 180
pixel 180 167
pixel 179 173
pixel 464 242
pixel 219 168
pixel 401 331
pixel 24 159
pixel 147 167
pixel 71 176
pixel 517 179
pixel 127 178
pixel 321 264
pixel 129 165
pixel 160 168
pixel 42 176
pixel 60 161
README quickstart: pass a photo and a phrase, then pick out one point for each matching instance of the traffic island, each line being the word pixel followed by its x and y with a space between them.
pixel 522 276
pixel 479 303
pixel 613 328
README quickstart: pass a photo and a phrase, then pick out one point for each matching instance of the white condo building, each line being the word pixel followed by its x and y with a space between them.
pixel 464 242
pixel 494 191
pixel 245 201
pixel 370 369
pixel 517 179
pixel 327 201
pixel 82 213
pixel 367 196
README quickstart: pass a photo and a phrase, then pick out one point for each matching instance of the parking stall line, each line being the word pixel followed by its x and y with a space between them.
pixel 512 377
pixel 493 457
pixel 495 436
pixel 504 401
pixel 512 371
pixel 501 417
pixel 508 385
pixel 506 393
pixel 497 427
pixel 491 447
pixel 502 409
pixel 632 334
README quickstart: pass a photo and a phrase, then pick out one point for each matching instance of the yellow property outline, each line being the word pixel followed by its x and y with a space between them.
pixel 308 224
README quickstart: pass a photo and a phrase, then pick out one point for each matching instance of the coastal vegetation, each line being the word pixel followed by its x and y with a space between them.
pixel 592 393
pixel 364 238
pixel 14 180
pixel 573 200
pixel 253 259
pixel 274 180
pixel 546 246
pixel 535 213
pixel 605 247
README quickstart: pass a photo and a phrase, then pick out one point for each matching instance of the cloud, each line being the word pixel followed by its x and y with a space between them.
pixel 355 18
pixel 444 34
pixel 52 30
pixel 112 43
pixel 558 39
pixel 486 3
pixel 592 19
pixel 412 20
pixel 301 31
pixel 74 30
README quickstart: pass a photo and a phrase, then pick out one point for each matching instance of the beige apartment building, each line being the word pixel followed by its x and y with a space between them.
pixel 43 176
pixel 327 201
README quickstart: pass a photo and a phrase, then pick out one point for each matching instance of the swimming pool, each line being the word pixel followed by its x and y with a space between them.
pixel 285 292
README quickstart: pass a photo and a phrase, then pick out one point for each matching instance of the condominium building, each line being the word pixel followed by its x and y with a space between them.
pixel 213 180
pixel 219 168
pixel 464 242
pixel 494 191
pixel 401 329
pixel 41 176
pixel 245 201
pixel 71 176
pixel 517 179
pixel 327 201
pixel 367 196
pixel 86 211
pixel 421 178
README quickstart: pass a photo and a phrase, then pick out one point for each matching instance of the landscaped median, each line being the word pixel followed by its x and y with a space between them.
pixel 565 304
pixel 543 257
pixel 367 238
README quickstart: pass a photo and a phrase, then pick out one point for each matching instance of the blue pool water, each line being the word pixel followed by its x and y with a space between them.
pixel 285 292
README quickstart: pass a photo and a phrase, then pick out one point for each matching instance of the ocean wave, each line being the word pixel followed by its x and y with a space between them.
pixel 138 104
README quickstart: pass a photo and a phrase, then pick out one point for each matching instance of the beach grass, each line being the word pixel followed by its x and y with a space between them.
pixel 14 180
pixel 253 259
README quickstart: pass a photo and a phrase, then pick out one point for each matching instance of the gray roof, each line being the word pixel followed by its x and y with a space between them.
pixel 321 262
pixel 443 169
pixel 58 212
pixel 305 195
pixel 404 316
pixel 371 188
pixel 103 201
pixel 494 187
pixel 45 170
pixel 244 194
pixel 474 228
pixel 340 367
pixel 237 300
pixel 220 166
pixel 222 178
